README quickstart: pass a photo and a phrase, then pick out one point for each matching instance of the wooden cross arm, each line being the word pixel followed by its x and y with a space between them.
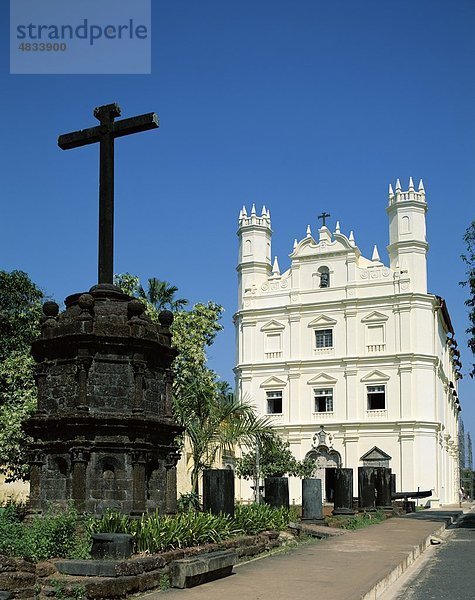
pixel 118 129
pixel 135 125
pixel 80 138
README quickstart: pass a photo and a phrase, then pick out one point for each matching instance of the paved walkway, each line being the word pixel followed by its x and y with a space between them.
pixel 358 565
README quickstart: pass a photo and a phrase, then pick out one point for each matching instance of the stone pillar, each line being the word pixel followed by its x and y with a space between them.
pixel 218 491
pixel 343 501
pixel 276 491
pixel 138 482
pixel 36 461
pixel 171 505
pixel 312 505
pixel 79 460
pixel 366 488
pixel 383 488
pixel 393 483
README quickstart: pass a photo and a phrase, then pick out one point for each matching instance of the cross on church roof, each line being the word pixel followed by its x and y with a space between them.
pixel 323 216
pixel 105 134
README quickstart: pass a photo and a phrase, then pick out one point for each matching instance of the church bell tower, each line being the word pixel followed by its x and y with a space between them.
pixel 407 233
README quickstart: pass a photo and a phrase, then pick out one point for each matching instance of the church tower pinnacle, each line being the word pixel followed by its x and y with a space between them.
pixel 407 233
pixel 255 236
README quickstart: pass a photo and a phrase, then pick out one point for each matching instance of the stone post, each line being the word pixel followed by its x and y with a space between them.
pixel 312 505
pixel 218 491
pixel 343 501
pixel 366 488
pixel 138 482
pixel 79 460
pixel 276 491
pixel 393 483
pixel 383 488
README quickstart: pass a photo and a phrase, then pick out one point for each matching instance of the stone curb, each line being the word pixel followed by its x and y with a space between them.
pixel 383 584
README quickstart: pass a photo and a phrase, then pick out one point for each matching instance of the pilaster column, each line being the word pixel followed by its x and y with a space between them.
pixel 41 369
pixel 79 460
pixel 352 403
pixel 139 367
pixel 139 460
pixel 36 460
pixel 407 459
pixel 405 395
pixel 172 459
pixel 83 365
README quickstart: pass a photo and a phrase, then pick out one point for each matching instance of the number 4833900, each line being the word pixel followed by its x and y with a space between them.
pixel 42 47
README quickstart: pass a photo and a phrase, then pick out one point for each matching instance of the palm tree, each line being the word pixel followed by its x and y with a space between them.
pixel 162 295
pixel 215 422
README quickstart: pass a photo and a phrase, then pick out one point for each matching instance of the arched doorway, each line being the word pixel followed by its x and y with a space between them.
pixel 326 461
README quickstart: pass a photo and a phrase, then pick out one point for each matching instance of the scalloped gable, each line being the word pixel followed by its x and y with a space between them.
pixel 322 320
pixel 375 376
pixel 273 382
pixel 322 378
pixel 374 317
pixel 273 326
pixel 309 247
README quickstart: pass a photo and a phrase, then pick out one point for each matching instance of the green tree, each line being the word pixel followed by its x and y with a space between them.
pixel 275 459
pixel 20 310
pixel 217 422
pixel 469 260
pixel 162 295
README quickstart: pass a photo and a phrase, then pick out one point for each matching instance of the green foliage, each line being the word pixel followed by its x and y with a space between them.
pixel 188 501
pixel 275 459
pixel 20 310
pixel 68 591
pixel 56 534
pixel 357 522
pixel 254 518
pixel 469 260
pixel 165 583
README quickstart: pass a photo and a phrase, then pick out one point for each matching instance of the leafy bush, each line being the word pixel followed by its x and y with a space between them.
pixel 188 501
pixel 254 518
pixel 56 534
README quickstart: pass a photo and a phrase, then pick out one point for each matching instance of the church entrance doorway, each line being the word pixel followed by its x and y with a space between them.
pixel 326 461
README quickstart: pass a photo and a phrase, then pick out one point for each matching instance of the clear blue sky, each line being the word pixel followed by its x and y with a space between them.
pixel 302 105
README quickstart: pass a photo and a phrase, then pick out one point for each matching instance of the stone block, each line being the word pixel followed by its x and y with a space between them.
pixel 190 572
pixel 112 545
pixel 87 568
pixel 16 581
pixel 5 595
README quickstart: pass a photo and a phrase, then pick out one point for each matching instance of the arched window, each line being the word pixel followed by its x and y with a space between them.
pixel 324 277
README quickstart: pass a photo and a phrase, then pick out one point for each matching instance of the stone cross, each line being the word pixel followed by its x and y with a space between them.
pixel 105 134
pixel 323 216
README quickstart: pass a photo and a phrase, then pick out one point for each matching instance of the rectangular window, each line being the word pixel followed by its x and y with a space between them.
pixel 273 342
pixel 324 338
pixel 323 400
pixel 376 395
pixel 375 334
pixel 274 403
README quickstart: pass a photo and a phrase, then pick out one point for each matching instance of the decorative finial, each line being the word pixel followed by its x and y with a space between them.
pixel 275 267
pixel 421 187
pixel 352 237
pixel 391 192
pixel 309 231
pixel 244 211
pixel 253 210
pixel 411 185
pixel 375 257
pixel 240 214
pixel 337 227
pixel 398 185
pixel 295 243
pixel 268 213
pixel 264 212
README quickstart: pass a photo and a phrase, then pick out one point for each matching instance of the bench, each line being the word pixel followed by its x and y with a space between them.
pixel 189 572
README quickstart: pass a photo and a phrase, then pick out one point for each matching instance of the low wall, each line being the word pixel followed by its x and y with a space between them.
pixel 43 581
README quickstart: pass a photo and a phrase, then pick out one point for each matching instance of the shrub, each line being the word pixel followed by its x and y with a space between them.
pixel 254 518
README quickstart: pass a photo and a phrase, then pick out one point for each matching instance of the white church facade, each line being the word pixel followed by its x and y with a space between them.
pixel 352 359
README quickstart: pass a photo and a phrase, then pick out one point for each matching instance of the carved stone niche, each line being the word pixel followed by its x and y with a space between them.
pixel 103 433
